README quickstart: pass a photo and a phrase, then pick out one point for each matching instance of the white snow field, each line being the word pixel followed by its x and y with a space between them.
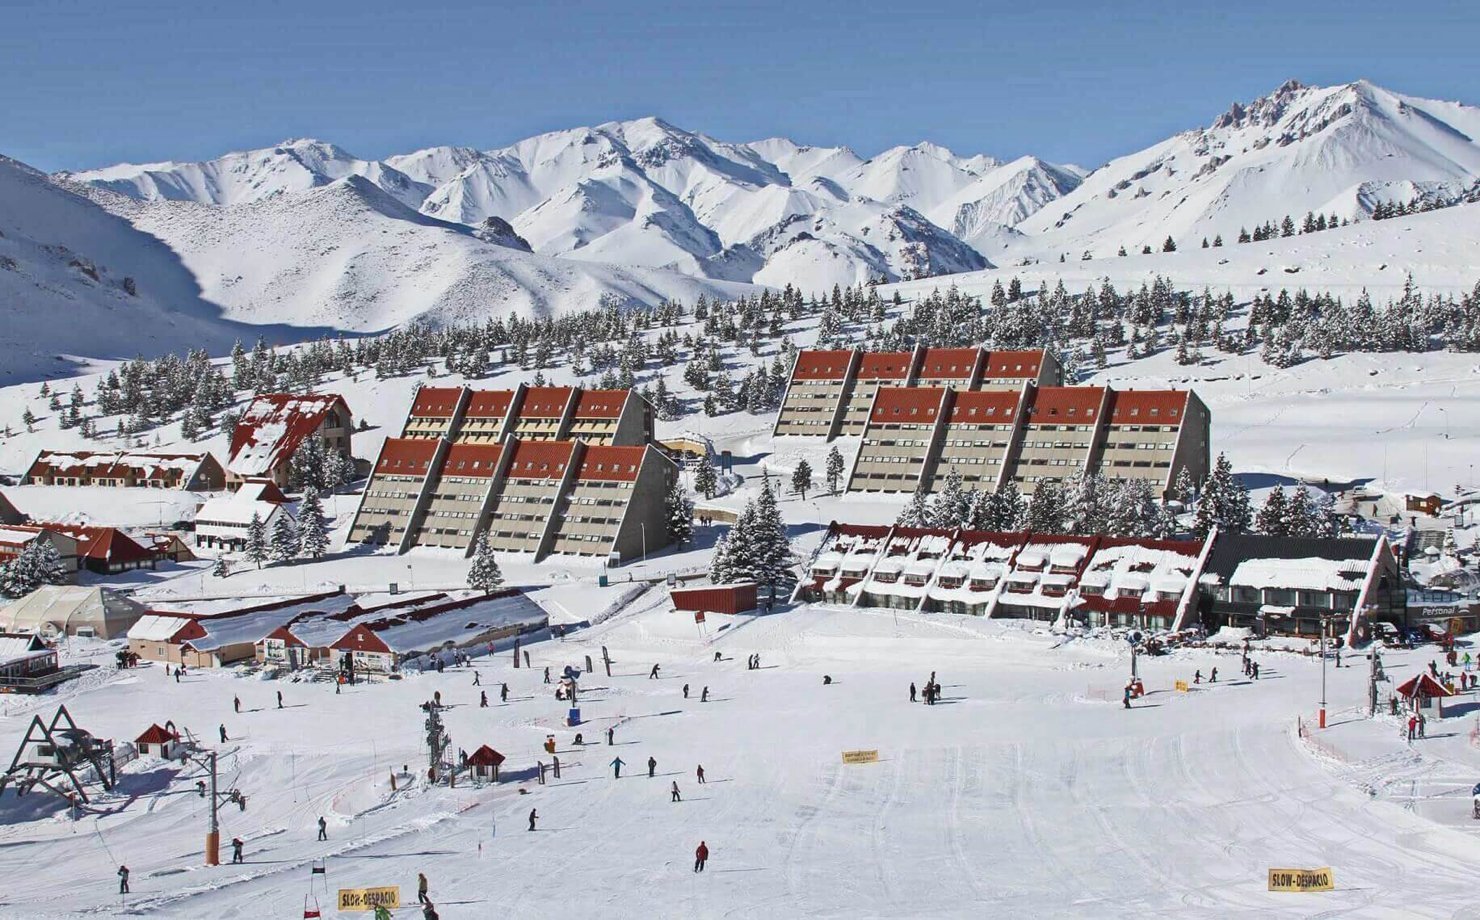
pixel 1029 791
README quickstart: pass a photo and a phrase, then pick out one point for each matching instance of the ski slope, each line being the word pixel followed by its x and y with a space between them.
pixel 1028 792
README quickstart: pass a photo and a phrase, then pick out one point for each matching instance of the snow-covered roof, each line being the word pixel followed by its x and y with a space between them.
pixel 272 428
pixel 154 627
pixel 1057 579
pixel 234 509
pixel 1032 557
pixel 889 566
pixel 137 463
pixel 828 561
pixel 1311 574
pixel 12 647
pixel 1067 554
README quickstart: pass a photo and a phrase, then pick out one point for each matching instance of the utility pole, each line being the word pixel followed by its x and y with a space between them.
pixel 214 798
pixel 1325 622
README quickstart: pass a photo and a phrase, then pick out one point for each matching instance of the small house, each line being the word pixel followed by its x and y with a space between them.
pixel 1427 503
pixel 484 764
pixel 368 651
pixel 160 741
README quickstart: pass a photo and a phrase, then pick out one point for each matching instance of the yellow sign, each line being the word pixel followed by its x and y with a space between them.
pixel 1301 879
pixel 369 898
pixel 1181 686
pixel 860 757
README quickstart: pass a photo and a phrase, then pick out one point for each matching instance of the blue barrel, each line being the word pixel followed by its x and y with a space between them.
pixel 600 581
pixel 574 717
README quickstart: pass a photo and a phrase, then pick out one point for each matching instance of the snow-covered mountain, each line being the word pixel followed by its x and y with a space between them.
pixel 1335 150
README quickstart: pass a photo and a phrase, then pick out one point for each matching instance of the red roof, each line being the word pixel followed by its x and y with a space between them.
pixel 907 404
pixel 285 634
pixel 544 402
pixel 949 363
pixel 885 365
pixel 107 544
pixel 154 734
pixel 1139 407
pixel 274 425
pixel 472 460
pixel 361 639
pixel 100 464
pixel 1023 364
pixel 984 407
pixel 541 459
pixel 611 463
pixel 489 403
pixel 1066 405
pixel 263 490
pixel 814 364
pixel 601 403
pixel 485 756
pixel 436 402
pixel 406 456
pixel 1422 683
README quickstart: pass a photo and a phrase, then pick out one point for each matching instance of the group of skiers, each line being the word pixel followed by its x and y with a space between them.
pixel 930 694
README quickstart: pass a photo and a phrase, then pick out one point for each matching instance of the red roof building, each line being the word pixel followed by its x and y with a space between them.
pixel 813 364
pixel 192 472
pixel 105 550
pixel 275 425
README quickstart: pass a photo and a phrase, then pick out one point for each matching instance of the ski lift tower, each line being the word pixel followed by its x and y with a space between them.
pixel 59 756
pixel 437 739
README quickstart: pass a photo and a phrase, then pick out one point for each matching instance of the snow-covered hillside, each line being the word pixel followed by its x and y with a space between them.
pixel 1334 150
pixel 79 282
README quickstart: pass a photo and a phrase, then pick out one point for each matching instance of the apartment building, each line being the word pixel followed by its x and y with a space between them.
pixel 1153 434
pixel 597 514
pixel 542 413
pixel 831 392
pixel 434 410
pixel 611 417
pixel 467 416
pixel 979 433
pixel 1060 427
pixel 901 438
pixel 458 495
pixel 486 417
pixel 394 494
pixel 914 436
pixel 522 513
pixel 815 397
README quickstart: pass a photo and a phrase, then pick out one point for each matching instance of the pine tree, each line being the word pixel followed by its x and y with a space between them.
pixel 951 506
pixel 28 418
pixel 484 574
pixel 313 529
pixel 256 548
pixel 1046 510
pixel 834 469
pixel 678 512
pixel 38 563
pixel 773 546
pixel 285 542
pixel 1272 519
pixel 801 478
pixel 916 513
pixel 1169 245
pixel 1183 487
pixel 306 466
pixel 706 478
pixel 222 568
pixel 1302 517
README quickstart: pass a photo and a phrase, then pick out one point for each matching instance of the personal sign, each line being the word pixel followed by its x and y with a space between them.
pixel 860 757
pixel 1301 879
pixel 367 899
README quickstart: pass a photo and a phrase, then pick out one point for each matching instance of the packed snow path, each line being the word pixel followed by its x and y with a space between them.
pixel 1028 791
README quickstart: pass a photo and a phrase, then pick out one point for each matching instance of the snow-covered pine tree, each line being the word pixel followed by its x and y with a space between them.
pixel 801 478
pixel 256 548
pixel 484 574
pixel 313 528
pixel 1184 489
pixel 678 513
pixel 1302 517
pixel 1047 509
pixel 951 506
pixel 706 478
pixel 773 545
pixel 222 568
pixel 38 563
pixel 306 466
pixel 1273 517
pixel 916 513
pixel 834 470
pixel 285 542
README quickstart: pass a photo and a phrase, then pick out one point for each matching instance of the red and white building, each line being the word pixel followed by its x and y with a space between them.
pixel 200 472
pixel 275 425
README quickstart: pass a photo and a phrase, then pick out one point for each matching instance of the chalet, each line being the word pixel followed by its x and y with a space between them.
pixel 27 663
pixel 161 741
pixel 275 425
pixel 191 472
pixel 224 522
pixel 261 489
pixel 370 653
pixel 106 550
pixel 282 648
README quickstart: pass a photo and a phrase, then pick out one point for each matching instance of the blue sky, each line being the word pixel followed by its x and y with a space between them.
pixel 88 83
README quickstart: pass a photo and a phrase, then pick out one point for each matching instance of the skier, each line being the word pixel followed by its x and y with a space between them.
pixel 1412 726
pixel 1126 699
pixel 704 697
pixel 547 674
pixel 700 773
pixel 1213 678
pixel 482 699
pixel 533 817
pixel 717 658
pixel 223 734
pixel 685 691
pixel 123 879
pixel 477 681
pixel 503 693
pixel 236 849
pixel 178 672
pixel 826 679
pixel 609 732
pixel 236 703
pixel 676 796
pixel 653 674
pixel 421 889
pixel 280 699
pixel 912 692
pixel 617 765
pixel 1197 676
pixel 1254 668
pixel 701 856
pixel 652 765
pixel 1422 724
pixel 323 828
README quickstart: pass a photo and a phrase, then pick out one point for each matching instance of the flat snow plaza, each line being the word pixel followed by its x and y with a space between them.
pixel 1026 790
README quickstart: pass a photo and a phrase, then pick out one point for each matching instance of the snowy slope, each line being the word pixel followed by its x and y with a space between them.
pixel 66 271
pixel 1334 150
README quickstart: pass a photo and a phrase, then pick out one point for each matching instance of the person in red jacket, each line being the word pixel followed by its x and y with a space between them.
pixel 701 856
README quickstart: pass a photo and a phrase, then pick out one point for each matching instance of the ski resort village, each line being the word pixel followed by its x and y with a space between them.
pixel 628 523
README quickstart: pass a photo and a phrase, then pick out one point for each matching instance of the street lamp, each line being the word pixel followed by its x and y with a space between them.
pixel 1325 624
